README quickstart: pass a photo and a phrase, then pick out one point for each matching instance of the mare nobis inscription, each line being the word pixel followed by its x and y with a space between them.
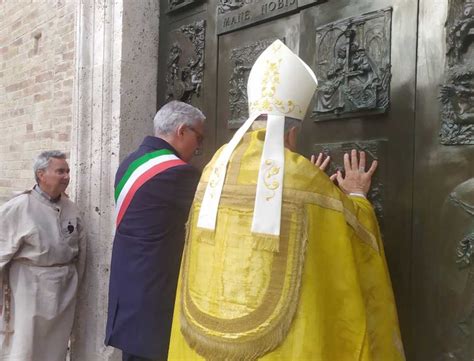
pixel 235 14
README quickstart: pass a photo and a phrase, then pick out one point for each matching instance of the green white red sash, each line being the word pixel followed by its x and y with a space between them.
pixel 138 173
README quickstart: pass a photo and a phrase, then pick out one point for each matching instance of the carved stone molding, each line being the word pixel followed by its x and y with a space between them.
pixel 185 66
pixel 374 149
pixel 353 66
pixel 242 60
pixel 114 104
pixel 457 93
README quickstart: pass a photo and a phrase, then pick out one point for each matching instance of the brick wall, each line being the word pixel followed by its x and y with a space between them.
pixel 36 85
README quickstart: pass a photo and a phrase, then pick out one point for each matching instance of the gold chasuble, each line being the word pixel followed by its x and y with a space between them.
pixel 320 291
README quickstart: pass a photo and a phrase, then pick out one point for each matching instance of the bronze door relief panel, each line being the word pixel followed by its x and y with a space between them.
pixel 238 51
pixel 456 275
pixel 174 5
pixel 185 66
pixel 457 94
pixel 242 59
pixel 353 66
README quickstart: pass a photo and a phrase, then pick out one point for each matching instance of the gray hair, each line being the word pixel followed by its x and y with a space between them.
pixel 261 122
pixel 174 114
pixel 43 159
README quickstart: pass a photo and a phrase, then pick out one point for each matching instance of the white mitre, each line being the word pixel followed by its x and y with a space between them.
pixel 280 85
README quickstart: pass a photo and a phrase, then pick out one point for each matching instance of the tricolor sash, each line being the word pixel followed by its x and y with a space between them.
pixel 138 173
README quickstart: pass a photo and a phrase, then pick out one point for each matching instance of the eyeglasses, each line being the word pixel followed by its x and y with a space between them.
pixel 199 136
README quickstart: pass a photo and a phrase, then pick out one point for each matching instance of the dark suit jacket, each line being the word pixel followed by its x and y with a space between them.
pixel 146 257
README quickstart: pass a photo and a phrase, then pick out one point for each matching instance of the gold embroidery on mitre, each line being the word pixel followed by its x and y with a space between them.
pixel 268 101
pixel 271 171
pixel 276 46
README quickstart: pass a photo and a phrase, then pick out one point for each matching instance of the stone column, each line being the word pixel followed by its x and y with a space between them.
pixel 114 104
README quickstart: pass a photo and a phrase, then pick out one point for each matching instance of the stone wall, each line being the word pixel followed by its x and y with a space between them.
pixel 79 76
pixel 114 104
pixel 37 45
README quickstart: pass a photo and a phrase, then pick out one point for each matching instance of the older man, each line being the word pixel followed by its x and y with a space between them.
pixel 280 263
pixel 42 249
pixel 154 188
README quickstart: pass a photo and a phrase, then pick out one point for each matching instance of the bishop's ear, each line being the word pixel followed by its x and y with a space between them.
pixel 291 138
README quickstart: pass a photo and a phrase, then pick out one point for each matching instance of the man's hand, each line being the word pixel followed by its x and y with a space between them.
pixel 356 179
pixel 320 162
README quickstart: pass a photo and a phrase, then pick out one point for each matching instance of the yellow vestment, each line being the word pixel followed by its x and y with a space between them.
pixel 320 291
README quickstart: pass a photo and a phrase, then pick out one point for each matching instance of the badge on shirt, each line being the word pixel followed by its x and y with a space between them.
pixel 68 227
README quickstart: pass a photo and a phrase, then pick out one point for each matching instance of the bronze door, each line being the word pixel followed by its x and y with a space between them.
pixel 391 82
pixel 443 237
pixel 364 55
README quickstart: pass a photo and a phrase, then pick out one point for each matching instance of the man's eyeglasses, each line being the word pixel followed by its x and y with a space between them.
pixel 199 136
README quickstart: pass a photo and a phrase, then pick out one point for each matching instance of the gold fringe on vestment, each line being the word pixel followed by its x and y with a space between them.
pixel 255 343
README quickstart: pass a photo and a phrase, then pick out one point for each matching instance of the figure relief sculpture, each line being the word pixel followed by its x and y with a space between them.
pixel 242 59
pixel 455 333
pixel 174 5
pixel 353 63
pixel 225 6
pixel 457 93
pixel 186 63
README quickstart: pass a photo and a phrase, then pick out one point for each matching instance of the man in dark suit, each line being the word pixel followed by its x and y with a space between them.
pixel 154 188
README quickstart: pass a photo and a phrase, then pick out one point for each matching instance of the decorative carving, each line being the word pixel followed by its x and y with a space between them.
pixel 457 94
pixel 458 202
pixel 460 30
pixel 353 66
pixel 456 283
pixel 242 59
pixel 225 6
pixel 186 62
pixel 374 150
pixel 178 4
pixel 465 251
